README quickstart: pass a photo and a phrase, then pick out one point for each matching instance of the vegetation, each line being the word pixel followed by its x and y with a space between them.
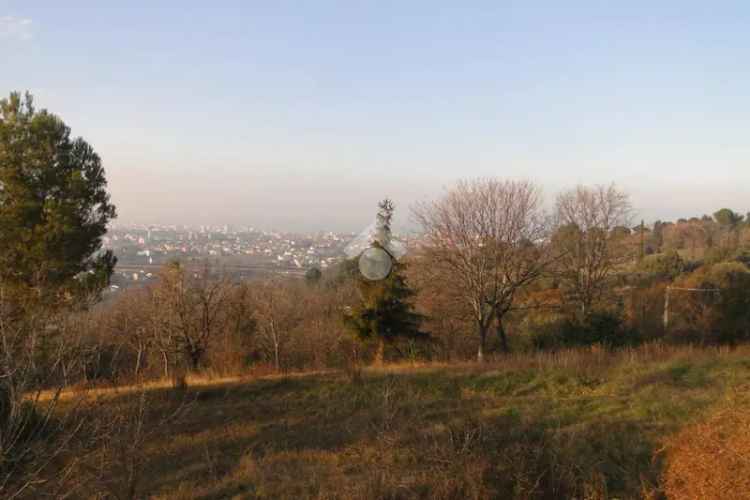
pixel 384 311
pixel 583 423
pixel 617 368
pixel 54 209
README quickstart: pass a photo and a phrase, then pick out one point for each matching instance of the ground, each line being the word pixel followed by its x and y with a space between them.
pixel 577 424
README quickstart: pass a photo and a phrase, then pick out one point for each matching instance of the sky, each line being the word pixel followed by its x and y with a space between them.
pixel 303 115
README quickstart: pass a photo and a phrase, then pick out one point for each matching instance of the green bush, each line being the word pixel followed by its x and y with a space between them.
pixel 722 316
pixel 667 265
pixel 604 328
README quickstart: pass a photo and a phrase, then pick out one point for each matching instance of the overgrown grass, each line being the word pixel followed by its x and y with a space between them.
pixel 576 424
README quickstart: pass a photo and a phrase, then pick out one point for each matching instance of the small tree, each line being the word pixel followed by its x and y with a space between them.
pixel 385 311
pixel 277 309
pixel 313 276
pixel 728 218
pixel 191 305
pixel 486 240
pixel 590 250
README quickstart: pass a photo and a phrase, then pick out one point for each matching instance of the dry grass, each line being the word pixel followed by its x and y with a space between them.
pixel 580 424
pixel 711 458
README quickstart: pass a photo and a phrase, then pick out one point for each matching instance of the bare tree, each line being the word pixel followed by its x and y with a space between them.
pixel 113 461
pixel 277 308
pixel 192 306
pixel 36 341
pixel 590 250
pixel 486 240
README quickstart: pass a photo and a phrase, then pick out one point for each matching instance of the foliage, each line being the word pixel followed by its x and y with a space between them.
pixel 728 218
pixel 590 249
pixel 667 265
pixel 313 276
pixel 722 312
pixel 54 206
pixel 600 327
pixel 54 209
pixel 385 311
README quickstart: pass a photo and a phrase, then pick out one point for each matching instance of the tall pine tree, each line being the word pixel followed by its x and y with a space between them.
pixel 385 311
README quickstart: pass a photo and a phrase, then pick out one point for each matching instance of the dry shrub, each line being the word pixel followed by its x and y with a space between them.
pixel 711 458
pixel 458 466
pixel 289 474
pixel 124 428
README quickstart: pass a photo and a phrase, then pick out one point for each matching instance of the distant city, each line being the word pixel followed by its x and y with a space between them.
pixel 243 252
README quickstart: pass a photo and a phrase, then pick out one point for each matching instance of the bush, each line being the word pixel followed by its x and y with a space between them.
pixel 722 316
pixel 716 255
pixel 605 328
pixel 667 265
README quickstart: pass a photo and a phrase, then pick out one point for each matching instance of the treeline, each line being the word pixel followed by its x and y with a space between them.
pixel 492 273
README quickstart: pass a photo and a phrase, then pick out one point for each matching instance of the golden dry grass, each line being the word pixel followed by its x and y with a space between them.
pixel 711 458
pixel 582 424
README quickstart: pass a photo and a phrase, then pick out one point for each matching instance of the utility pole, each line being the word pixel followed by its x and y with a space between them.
pixel 643 241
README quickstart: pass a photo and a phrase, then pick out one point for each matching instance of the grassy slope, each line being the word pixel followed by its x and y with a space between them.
pixel 584 424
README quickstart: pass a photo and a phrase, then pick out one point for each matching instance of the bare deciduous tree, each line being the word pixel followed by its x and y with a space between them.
pixel 36 342
pixel 486 240
pixel 191 305
pixel 278 310
pixel 590 250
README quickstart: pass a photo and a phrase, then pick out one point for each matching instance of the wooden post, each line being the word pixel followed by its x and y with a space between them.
pixel 666 309
pixel 643 241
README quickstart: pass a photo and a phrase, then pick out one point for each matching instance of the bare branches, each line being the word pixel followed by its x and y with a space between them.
pixel 191 305
pixel 587 240
pixel 487 237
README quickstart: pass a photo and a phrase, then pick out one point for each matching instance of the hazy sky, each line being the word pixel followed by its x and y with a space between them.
pixel 302 115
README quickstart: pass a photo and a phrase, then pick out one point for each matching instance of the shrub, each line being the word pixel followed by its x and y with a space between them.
pixel 718 254
pixel 667 265
pixel 605 328
pixel 722 316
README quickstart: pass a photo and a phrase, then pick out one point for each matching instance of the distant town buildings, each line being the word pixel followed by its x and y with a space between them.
pixel 140 249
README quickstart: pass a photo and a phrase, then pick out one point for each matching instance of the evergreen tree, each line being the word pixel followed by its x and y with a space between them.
pixel 54 206
pixel 313 276
pixel 385 311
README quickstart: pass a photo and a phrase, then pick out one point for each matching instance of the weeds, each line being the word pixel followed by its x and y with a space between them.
pixel 573 424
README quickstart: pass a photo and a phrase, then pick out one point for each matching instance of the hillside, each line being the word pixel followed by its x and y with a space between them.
pixel 583 424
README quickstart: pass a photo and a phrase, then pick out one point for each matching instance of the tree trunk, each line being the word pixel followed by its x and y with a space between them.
pixel 379 353
pixel 482 341
pixel 501 334
pixel 138 362
pixel 276 355
pixel 166 364
pixel 195 359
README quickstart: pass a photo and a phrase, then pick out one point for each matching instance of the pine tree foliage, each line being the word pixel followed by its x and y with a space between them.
pixel 385 310
pixel 54 206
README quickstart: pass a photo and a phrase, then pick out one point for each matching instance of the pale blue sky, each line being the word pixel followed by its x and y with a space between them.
pixel 303 114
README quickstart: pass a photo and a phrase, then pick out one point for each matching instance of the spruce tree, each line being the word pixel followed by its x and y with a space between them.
pixel 385 311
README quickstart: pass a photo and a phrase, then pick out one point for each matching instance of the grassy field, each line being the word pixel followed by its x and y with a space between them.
pixel 578 424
